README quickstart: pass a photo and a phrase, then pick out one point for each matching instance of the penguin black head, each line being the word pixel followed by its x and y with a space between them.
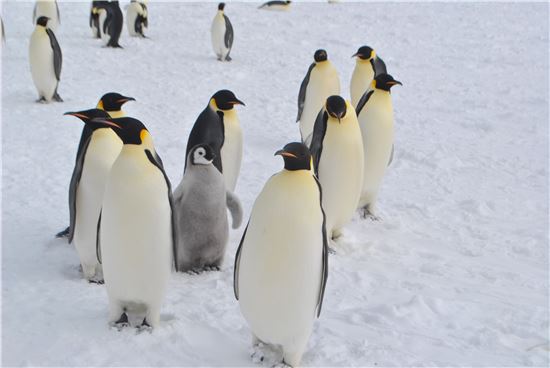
pixel 225 99
pixel 385 82
pixel 365 53
pixel 320 55
pixel 129 130
pixel 296 156
pixel 113 101
pixel 87 115
pixel 201 154
pixel 221 6
pixel 42 21
pixel 336 107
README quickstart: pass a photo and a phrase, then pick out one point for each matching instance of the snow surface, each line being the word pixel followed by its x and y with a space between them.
pixel 456 274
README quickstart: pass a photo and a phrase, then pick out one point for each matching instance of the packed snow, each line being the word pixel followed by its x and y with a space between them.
pixel 455 274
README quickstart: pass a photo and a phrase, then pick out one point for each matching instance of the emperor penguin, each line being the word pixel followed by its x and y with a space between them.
pixel 201 218
pixel 320 82
pixel 136 228
pixel 218 126
pixel 94 18
pixel 367 66
pixel 137 18
pixel 221 33
pixel 99 149
pixel 375 114
pixel 337 150
pixel 47 8
pixel 111 103
pixel 276 5
pixel 110 21
pixel 45 61
pixel 281 265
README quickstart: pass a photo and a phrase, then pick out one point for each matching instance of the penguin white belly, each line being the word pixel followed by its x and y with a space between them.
pixel 41 62
pixel 341 173
pixel 131 16
pixel 47 9
pixel 135 235
pixel 323 82
pixel 217 32
pixel 104 35
pixel 281 260
pixel 232 149
pixel 100 155
pixel 362 77
pixel 376 122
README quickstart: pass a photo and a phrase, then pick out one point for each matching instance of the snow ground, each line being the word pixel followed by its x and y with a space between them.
pixel 455 275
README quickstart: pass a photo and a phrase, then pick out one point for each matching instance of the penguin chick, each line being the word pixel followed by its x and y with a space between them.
pixel 201 218
pixel 375 115
pixel 281 265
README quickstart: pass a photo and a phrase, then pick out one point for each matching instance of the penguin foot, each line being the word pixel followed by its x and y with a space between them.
pixel 282 364
pixel 96 281
pixel 257 355
pixel 211 268
pixel 145 326
pixel 228 58
pixel 42 100
pixel 121 322
pixel 56 97
pixel 63 233
pixel 367 214
pixel 331 250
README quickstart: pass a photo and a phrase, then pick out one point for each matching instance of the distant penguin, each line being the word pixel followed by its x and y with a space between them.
pixel 337 150
pixel 221 33
pixel 367 66
pixel 375 114
pixel 276 5
pixel 47 8
pixel 281 265
pixel 136 228
pixel 110 21
pixel 137 18
pixel 218 126
pixel 200 203
pixel 93 163
pixel 94 18
pixel 111 103
pixel 45 60
pixel 320 82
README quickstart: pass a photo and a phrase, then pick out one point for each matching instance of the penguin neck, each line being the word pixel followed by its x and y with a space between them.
pixel 363 63
pixel 116 114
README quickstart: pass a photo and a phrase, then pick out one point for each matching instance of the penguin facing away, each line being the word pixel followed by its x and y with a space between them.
pixel 137 18
pixel 337 150
pixel 93 163
pixel 218 126
pixel 136 229
pixel 375 115
pixel 201 217
pixel 110 21
pixel 276 5
pixel 367 66
pixel 281 265
pixel 320 82
pixel 47 8
pixel 221 33
pixel 94 18
pixel 45 61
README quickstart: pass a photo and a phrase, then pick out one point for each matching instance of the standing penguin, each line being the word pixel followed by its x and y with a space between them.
pixel 47 8
pixel 94 18
pixel 337 150
pixel 320 82
pixel 276 5
pixel 218 126
pixel 367 66
pixel 281 265
pixel 45 60
pixel 201 218
pixel 99 149
pixel 136 228
pixel 110 21
pixel 137 18
pixel 221 33
pixel 375 114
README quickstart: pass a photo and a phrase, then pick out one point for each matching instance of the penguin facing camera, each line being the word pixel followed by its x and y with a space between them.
pixel 367 66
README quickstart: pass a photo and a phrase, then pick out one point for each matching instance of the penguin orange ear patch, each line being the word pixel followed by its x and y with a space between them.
pixel 100 105
pixel 143 134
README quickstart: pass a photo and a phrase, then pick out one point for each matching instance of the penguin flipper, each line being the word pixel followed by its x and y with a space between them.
pixel 234 206
pixel 324 268
pixel 75 178
pixel 228 37
pixel 34 13
pixel 391 155
pixel 318 135
pixel 57 10
pixel 57 56
pixel 159 165
pixel 237 264
pixel 302 93
pixel 97 242
pixel 379 66
pixel 363 101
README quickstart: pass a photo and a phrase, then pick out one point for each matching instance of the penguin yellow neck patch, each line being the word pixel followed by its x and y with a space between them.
pixel 213 104
pixel 100 105
pixel 143 134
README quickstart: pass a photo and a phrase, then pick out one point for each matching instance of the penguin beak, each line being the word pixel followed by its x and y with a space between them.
pixel 393 83
pixel 284 154
pixel 354 55
pixel 125 99
pixel 105 122
pixel 237 102
pixel 77 114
